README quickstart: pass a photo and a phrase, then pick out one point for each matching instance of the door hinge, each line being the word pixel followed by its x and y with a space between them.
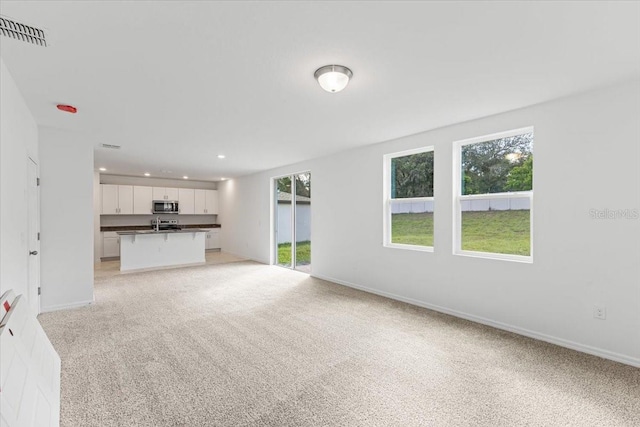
pixel 38 235
pixel 37 181
pixel 39 290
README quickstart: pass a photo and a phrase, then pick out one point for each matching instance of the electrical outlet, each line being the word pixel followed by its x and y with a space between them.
pixel 599 312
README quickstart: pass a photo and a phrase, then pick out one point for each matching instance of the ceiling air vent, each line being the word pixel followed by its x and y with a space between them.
pixel 111 146
pixel 25 33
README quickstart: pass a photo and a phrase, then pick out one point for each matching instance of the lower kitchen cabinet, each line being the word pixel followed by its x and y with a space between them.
pixel 110 245
pixel 212 239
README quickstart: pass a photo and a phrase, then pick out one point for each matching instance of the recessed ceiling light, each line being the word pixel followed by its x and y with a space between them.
pixel 147 174
pixel 185 177
pixel 221 156
pixel 333 78
pixel 223 179
pixel 103 169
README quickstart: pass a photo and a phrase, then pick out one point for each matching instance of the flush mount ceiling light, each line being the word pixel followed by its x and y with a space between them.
pixel 333 78
pixel 103 169
pixel 147 174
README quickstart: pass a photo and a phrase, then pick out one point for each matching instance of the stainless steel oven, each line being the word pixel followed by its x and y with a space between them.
pixel 165 206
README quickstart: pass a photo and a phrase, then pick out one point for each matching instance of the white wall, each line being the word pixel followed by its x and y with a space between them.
pixel 587 152
pixel 245 207
pixel 18 142
pixel 67 219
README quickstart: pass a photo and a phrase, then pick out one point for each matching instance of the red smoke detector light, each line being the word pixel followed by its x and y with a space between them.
pixel 67 108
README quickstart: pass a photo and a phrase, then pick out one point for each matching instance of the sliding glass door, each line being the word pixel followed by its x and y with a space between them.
pixel 292 221
pixel 283 221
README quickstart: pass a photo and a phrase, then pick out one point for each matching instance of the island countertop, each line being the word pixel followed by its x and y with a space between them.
pixel 117 228
pixel 143 232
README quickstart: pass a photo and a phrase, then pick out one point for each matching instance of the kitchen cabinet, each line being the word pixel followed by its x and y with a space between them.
pixel 165 193
pixel 117 199
pixel 110 245
pixel 212 239
pixel 138 199
pixel 211 202
pixel 186 201
pixel 206 202
pixel 142 200
pixel 172 193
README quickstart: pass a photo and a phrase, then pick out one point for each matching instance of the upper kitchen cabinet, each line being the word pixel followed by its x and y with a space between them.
pixel 186 201
pixel 165 193
pixel 206 202
pixel 142 200
pixel 211 201
pixel 117 199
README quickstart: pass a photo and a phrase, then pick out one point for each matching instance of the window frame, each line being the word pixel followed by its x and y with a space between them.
pixel 458 198
pixel 387 200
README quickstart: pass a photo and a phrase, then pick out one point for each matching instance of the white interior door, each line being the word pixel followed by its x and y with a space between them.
pixel 34 238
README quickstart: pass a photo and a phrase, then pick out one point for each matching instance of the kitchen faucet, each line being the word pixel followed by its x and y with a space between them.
pixel 158 224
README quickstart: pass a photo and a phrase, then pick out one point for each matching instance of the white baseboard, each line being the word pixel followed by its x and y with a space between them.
pixel 65 306
pixel 161 267
pixel 245 257
pixel 605 354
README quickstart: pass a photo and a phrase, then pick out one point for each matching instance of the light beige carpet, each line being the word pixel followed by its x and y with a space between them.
pixel 246 344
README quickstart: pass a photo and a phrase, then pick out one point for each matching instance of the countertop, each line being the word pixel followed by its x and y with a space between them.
pixel 148 227
pixel 143 232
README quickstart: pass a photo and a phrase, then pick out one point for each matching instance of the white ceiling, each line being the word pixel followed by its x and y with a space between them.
pixel 176 83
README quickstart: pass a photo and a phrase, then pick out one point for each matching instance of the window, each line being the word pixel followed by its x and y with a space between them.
pixel 493 195
pixel 408 208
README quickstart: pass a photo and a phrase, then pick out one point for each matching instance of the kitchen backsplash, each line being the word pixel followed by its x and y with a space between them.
pixel 111 220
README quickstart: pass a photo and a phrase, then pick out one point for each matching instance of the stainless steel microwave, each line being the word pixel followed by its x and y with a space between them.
pixel 165 206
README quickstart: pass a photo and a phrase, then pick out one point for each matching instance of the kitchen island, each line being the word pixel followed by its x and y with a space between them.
pixel 148 249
